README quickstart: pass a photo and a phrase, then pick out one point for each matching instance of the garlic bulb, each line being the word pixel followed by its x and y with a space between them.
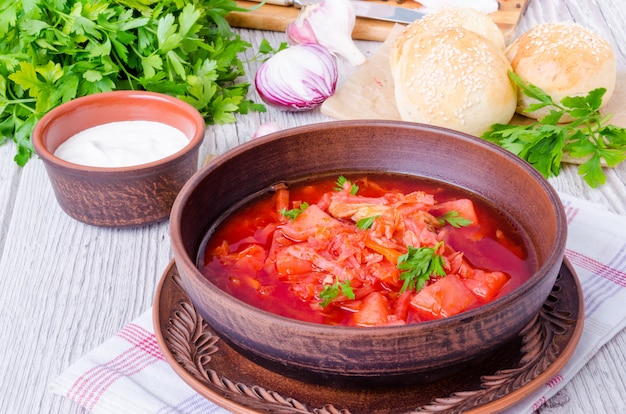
pixel 329 23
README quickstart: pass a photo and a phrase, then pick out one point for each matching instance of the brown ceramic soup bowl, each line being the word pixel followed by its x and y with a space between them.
pixel 375 355
pixel 126 196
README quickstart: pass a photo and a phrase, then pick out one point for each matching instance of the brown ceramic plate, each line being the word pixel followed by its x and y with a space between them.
pixel 217 372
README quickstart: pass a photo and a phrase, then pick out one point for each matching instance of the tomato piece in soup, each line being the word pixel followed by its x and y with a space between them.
pixel 486 285
pixel 403 303
pixel 446 297
pixel 288 264
pixel 374 310
pixel 250 260
pixel 463 206
pixel 312 222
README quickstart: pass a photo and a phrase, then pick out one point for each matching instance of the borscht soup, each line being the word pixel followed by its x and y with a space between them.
pixel 366 250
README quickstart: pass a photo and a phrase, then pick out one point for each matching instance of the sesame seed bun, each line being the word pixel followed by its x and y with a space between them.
pixel 563 59
pixel 466 18
pixel 453 78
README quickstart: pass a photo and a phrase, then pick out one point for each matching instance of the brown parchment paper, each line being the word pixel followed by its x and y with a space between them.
pixel 368 93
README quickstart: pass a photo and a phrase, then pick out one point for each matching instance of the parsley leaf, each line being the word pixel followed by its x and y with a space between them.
pixel 294 212
pixel 330 292
pixel 454 219
pixel 366 222
pixel 341 181
pixel 417 266
pixel 543 143
pixel 266 50
pixel 52 51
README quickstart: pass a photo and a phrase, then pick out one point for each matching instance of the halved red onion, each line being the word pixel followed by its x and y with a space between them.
pixel 298 78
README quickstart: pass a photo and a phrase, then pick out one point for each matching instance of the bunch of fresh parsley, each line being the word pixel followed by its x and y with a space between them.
pixel 52 51
pixel 588 137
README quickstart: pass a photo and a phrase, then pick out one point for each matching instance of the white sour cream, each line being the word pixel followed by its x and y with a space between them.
pixel 122 144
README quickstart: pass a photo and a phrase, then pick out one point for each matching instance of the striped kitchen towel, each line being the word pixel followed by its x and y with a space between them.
pixel 596 247
pixel 128 373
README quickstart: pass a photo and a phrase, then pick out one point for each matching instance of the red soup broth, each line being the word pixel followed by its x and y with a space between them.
pixel 244 254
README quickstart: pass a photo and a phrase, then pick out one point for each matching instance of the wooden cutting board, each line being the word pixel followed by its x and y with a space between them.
pixel 276 18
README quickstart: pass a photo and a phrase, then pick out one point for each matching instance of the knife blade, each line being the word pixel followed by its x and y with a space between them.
pixel 384 12
pixel 365 9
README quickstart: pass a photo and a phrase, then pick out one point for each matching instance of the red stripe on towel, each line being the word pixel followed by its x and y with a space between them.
pixel 609 273
pixel 89 387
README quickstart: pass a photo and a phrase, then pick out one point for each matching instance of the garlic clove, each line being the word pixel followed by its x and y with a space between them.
pixel 329 23
pixel 300 31
pixel 266 128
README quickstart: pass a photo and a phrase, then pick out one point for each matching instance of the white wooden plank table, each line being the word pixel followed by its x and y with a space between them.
pixel 65 287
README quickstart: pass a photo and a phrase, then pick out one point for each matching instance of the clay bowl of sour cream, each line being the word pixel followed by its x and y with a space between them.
pixel 119 159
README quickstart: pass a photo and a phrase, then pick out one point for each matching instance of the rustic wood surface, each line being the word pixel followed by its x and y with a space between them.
pixel 272 17
pixel 66 287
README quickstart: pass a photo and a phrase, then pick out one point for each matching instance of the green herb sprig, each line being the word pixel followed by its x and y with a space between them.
pixel 266 50
pixel 366 222
pixel 294 212
pixel 418 265
pixel 588 137
pixel 330 292
pixel 52 51
pixel 341 180
pixel 453 218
